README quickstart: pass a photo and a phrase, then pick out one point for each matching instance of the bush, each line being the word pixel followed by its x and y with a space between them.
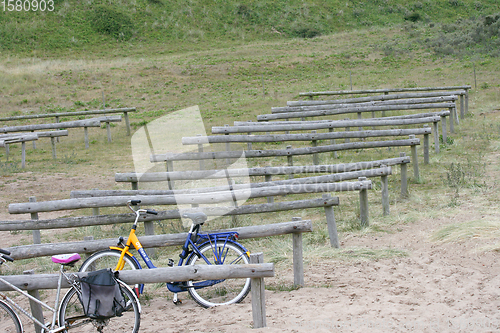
pixel 306 32
pixel 413 17
pixel 111 22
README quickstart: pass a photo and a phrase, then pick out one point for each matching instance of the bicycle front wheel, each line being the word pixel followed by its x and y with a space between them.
pixel 72 316
pixel 219 292
pixel 109 259
pixel 9 320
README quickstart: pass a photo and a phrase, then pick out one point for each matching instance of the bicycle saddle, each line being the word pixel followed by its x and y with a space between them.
pixel 197 217
pixel 66 259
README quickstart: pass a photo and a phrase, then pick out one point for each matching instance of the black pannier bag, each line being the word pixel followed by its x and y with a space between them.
pixel 101 295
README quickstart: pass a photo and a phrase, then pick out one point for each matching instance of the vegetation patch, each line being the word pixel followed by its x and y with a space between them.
pixel 112 22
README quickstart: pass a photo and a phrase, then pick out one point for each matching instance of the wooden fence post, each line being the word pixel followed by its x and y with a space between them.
pixel 466 101
pixel 37 238
pixel 404 177
pixel 359 118
pixel 455 112
pixel 332 142
pixel 108 131
pixel 452 120
pixel 200 150
pixel 426 146
pixel 385 193
pixel 53 143
pixel 315 155
pixel 258 294
pixel 170 168
pixel 127 122
pixel 435 129
pixel 443 125
pixel 298 260
pixel 36 309
pixel 290 161
pixel 347 129
pixel 331 224
pixel 86 133
pixel 414 159
pixel 23 155
pixel 7 152
pixel 462 107
pixel 363 205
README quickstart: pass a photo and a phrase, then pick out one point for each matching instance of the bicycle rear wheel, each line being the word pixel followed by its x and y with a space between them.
pixel 72 315
pixel 9 320
pixel 109 259
pixel 222 292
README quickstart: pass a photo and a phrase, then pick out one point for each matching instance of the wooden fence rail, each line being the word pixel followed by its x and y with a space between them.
pixel 331 106
pixel 125 112
pixel 257 272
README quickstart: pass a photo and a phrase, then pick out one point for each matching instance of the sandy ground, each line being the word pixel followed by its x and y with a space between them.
pixel 438 287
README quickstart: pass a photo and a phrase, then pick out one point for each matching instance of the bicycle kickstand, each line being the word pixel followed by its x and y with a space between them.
pixel 176 299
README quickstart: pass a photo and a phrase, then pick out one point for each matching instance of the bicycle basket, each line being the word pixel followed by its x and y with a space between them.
pixel 101 296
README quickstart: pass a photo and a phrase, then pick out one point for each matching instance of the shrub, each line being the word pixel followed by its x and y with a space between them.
pixel 306 32
pixel 413 17
pixel 112 22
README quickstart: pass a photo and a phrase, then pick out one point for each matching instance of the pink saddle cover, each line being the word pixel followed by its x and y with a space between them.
pixel 66 258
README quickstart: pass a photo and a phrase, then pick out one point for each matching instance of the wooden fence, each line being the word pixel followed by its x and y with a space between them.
pixel 58 115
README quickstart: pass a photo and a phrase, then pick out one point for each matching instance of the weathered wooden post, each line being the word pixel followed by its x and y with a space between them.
pixel 249 144
pixel 462 106
pixel 170 168
pixel 452 121
pixel 298 260
pixel 36 308
pixel 426 146
pixel 414 159
pixel 23 155
pixel 363 205
pixel 86 133
pixel 466 101
pixel 385 193
pixel 435 129
pixel 331 224
pixel 443 125
pixel 347 129
pixel 200 150
pixel 37 238
pixel 404 177
pixel 290 161
pixel 315 155
pixel 359 118
pixel 7 151
pixel 228 148
pixel 53 143
pixel 332 142
pixel 258 294
pixel 127 122
pixel 455 112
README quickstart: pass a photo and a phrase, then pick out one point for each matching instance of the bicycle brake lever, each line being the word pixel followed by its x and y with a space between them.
pixel 120 241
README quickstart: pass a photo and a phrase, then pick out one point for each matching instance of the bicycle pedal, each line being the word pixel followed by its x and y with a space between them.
pixel 178 302
pixel 170 262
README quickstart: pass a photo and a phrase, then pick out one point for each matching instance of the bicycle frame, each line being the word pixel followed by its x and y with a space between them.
pixel 52 328
pixel 202 239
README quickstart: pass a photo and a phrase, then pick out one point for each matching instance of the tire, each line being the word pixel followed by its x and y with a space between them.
pixel 109 259
pixel 227 291
pixel 71 313
pixel 9 320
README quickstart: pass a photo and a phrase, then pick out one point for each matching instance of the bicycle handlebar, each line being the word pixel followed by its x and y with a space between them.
pixel 6 257
pixel 152 211
pixel 2 251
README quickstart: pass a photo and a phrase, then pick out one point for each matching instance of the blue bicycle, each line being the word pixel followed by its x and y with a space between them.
pixel 220 248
